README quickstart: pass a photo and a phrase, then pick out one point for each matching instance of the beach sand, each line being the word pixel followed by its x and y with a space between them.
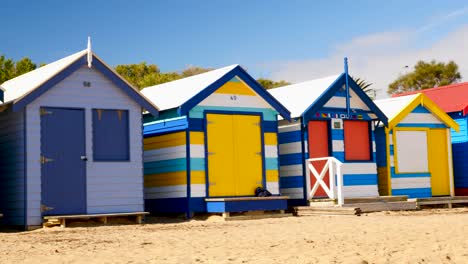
pixel 428 236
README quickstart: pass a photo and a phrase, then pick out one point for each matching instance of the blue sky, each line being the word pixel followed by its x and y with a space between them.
pixel 270 38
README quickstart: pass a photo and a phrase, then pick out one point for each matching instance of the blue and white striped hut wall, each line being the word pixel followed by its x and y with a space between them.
pixel 414 155
pixel 71 98
pixel 176 145
pixel 321 106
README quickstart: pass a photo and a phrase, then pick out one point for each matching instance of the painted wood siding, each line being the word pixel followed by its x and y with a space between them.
pixel 111 186
pixel 291 159
pixel 415 185
pixel 460 154
pixel 12 173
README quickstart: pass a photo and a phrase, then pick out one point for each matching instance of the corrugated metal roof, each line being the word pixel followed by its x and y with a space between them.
pixel 451 98
pixel 173 94
pixel 22 85
pixel 298 97
pixel 391 107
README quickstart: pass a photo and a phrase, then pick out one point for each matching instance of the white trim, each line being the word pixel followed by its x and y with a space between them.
pixel 450 161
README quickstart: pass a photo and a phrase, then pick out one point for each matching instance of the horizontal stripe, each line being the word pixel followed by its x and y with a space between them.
pixel 270 126
pixel 272 176
pixel 291 159
pixel 271 163
pixel 197 177
pixel 165 126
pixel 165 179
pixel 289 137
pixel 234 100
pixel 235 88
pixel 156 167
pixel 292 182
pixel 414 193
pixel 406 183
pixel 408 175
pixel 197 190
pixel 337 134
pixel 197 151
pixel 197 138
pixel 175 191
pixel 289 128
pixel 359 179
pixel 270 139
pixel 359 168
pixel 360 191
pixel 268 114
pixel 197 164
pixel 290 148
pixel 273 187
pixel 420 118
pixel 196 124
pixel 164 154
pixel 164 141
pixel 290 170
pixel 422 125
pixel 420 109
pixel 293 193
pixel 271 151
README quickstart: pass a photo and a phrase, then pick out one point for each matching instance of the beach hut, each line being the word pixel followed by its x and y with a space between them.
pixel 414 155
pixel 70 142
pixel 332 120
pixel 453 99
pixel 213 144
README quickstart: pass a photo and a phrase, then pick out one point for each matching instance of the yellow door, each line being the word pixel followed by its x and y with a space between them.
pixel 438 162
pixel 234 154
pixel 248 148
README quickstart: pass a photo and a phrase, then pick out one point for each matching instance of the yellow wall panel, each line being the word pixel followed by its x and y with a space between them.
pixel 197 138
pixel 270 138
pixel 438 162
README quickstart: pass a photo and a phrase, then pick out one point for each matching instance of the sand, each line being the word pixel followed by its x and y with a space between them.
pixel 428 236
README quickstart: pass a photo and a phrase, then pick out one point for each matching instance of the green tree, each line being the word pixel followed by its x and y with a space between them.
pixel 23 66
pixel 426 75
pixel 194 70
pixel 139 75
pixel 10 69
pixel 268 84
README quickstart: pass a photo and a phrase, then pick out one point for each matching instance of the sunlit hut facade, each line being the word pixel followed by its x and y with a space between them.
pixel 216 137
pixel 71 142
pixel 453 99
pixel 331 117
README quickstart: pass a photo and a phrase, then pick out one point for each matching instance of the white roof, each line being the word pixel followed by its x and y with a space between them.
pixel 298 97
pixel 174 94
pixel 20 86
pixel 391 107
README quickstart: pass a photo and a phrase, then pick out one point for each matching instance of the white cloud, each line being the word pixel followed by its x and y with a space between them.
pixel 378 58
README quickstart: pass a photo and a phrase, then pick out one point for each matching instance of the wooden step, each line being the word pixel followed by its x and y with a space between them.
pixel 383 206
pixel 331 210
pixel 397 198
pixel 448 201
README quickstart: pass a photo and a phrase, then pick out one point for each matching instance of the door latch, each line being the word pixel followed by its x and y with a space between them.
pixel 44 208
pixel 45 160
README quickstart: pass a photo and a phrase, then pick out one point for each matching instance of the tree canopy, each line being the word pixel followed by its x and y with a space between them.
pixel 268 84
pixel 426 75
pixel 9 69
pixel 365 86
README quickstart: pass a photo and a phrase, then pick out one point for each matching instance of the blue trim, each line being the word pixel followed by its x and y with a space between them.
pixel 25 164
pixel 347 86
pixel 270 126
pixel 242 206
pixel 251 82
pixel 317 105
pixel 408 175
pixel 196 124
pixel 116 79
pixel 165 126
pixel 187 149
pixel 2 98
pixel 359 179
pixel 421 110
pixel 292 181
pixel 413 192
pixel 289 137
pixel 304 157
pixel 291 159
pixel 423 125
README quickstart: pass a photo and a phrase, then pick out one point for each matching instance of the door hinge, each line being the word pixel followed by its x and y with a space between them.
pixel 44 208
pixel 210 153
pixel 256 124
pixel 259 182
pixel 43 111
pixel 44 160
pixel 212 183
pixel 210 122
pixel 258 153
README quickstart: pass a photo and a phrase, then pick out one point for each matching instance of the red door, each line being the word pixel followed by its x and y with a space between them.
pixel 318 148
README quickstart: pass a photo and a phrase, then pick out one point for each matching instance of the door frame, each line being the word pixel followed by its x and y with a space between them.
pixel 308 188
pixel 262 142
pixel 85 147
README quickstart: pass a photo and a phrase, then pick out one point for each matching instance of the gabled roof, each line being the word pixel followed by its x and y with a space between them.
pixel 23 89
pixel 186 93
pixel 451 98
pixel 397 108
pixel 306 98
pixel 298 97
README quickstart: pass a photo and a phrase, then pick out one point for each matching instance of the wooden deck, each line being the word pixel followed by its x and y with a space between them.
pixel 447 201
pixel 236 199
pixel 61 220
